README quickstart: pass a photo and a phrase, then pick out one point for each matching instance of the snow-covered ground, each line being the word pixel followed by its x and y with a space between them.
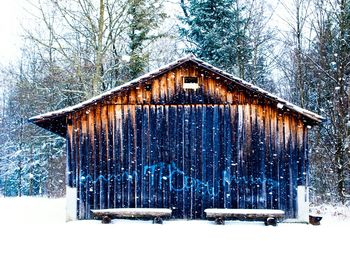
pixel 34 230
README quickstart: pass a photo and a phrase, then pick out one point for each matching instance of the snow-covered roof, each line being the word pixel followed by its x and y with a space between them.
pixel 281 102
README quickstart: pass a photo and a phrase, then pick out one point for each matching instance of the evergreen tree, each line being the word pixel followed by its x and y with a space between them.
pixel 217 33
pixel 145 16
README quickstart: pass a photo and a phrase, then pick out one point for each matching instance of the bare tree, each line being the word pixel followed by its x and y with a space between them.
pixel 319 79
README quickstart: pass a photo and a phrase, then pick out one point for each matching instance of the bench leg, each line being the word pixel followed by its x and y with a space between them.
pixel 106 220
pixel 271 221
pixel 157 220
pixel 219 221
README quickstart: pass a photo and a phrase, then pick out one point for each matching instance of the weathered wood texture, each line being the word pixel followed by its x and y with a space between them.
pixel 217 147
pixel 132 212
pixel 243 213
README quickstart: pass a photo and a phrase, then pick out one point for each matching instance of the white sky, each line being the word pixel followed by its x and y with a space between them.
pixel 10 15
pixel 14 14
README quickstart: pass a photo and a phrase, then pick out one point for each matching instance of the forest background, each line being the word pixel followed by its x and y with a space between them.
pixel 71 50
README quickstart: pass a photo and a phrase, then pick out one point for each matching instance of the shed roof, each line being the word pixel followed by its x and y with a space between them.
pixel 57 116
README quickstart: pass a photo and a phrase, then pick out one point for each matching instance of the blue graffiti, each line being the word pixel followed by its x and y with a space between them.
pixel 179 181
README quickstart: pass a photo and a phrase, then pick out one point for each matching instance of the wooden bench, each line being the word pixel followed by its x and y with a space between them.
pixel 157 214
pixel 270 217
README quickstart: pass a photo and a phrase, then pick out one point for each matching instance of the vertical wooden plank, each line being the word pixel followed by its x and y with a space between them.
pixel 240 153
pixel 269 156
pixel 124 96
pixel 223 93
pixel 148 95
pixel 206 91
pixel 209 158
pixel 254 155
pixel 76 142
pixel 82 164
pixel 96 148
pixel 288 165
pixel 203 160
pixel 90 154
pixel 193 156
pixel 132 96
pixel 294 157
pixel 198 209
pixel 284 165
pixel 180 162
pixel 125 156
pixel 155 91
pixel 103 158
pixel 216 85
pixel 300 149
pixel 146 141
pixel 153 156
pixel 280 158
pixel 228 161
pixel 305 159
pixel 114 158
pixel 138 156
pixel 118 152
pixel 88 165
pixel 132 176
pixel 77 131
pixel 222 156
pixel 284 178
pixel 139 94
pixel 133 156
pixel 234 120
pixel 171 86
pixel 178 85
pixel 129 156
pixel 229 96
pixel 163 89
pixel 261 117
pixel 159 145
pixel 187 162
pixel 274 148
pixel 166 157
pixel 83 182
pixel 250 157
pixel 70 173
pixel 200 92
pixel 173 145
pixel 246 156
pixel 216 156
pixel 73 152
pixel 110 155
pixel 211 89
pixel 76 150
pixel 89 159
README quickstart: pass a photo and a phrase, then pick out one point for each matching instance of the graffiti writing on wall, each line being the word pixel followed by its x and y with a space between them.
pixel 169 174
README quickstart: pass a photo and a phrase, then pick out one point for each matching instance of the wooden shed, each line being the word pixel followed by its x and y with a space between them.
pixel 187 136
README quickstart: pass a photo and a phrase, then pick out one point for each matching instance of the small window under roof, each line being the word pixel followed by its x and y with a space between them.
pixel 190 83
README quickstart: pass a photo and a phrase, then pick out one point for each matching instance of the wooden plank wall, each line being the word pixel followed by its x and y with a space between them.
pixel 186 150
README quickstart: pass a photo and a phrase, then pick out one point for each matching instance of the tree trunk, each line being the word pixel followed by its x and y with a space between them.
pixel 96 82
